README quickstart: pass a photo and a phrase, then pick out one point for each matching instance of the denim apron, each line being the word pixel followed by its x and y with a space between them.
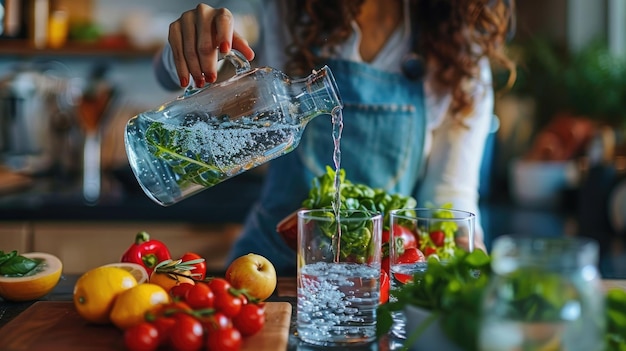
pixel 381 146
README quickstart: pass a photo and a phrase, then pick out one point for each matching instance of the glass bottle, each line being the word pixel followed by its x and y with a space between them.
pixel 212 134
pixel 545 294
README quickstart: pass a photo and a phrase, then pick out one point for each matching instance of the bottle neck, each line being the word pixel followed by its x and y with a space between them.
pixel 315 95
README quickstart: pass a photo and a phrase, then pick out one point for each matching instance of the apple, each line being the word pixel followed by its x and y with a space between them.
pixel 254 273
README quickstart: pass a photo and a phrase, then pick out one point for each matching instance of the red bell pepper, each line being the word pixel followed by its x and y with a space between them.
pixel 146 252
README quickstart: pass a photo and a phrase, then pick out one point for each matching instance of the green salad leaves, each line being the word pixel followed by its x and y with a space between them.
pixel 354 240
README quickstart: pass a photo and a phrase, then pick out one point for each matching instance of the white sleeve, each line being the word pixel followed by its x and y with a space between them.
pixel 453 165
pixel 165 70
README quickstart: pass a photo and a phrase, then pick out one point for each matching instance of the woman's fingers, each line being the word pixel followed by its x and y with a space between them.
pixel 240 44
pixel 197 37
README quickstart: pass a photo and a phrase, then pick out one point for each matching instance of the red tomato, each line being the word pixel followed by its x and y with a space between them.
pixel 199 272
pixel 403 278
pixel 177 292
pixel 215 321
pixel 384 287
pixel 141 337
pixel 164 325
pixel 250 319
pixel 228 339
pixel 404 236
pixel 438 237
pixel 411 255
pixel 227 303
pixel 429 251
pixel 219 285
pixel 384 264
pixel 403 239
pixel 200 296
pixel 186 334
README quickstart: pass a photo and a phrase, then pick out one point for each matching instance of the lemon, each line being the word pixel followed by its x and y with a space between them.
pixel 137 270
pixel 33 286
pixel 95 292
pixel 131 305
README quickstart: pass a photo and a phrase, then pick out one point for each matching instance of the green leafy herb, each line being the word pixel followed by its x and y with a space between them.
pixel 354 240
pixel 167 144
pixel 616 320
pixel 453 291
pixel 14 265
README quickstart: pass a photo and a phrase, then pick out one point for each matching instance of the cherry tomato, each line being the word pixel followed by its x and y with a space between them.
pixel 411 255
pixel 200 296
pixel 199 272
pixel 186 334
pixel 215 321
pixel 384 264
pixel 438 237
pixel 404 237
pixel 228 339
pixel 177 292
pixel 219 285
pixel 164 326
pixel 384 286
pixel 250 319
pixel 142 337
pixel 227 303
pixel 429 251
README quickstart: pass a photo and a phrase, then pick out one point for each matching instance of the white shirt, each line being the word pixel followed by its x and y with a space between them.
pixel 453 152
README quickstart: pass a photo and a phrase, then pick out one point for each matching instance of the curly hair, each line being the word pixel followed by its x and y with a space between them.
pixel 453 36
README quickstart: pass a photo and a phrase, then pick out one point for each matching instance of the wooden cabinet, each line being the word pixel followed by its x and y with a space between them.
pixel 15 236
pixel 84 245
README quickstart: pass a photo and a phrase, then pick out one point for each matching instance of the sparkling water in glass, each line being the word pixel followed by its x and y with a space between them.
pixel 338 276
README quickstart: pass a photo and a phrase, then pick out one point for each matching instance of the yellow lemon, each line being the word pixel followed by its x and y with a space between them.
pixel 95 292
pixel 131 305
pixel 35 284
pixel 135 269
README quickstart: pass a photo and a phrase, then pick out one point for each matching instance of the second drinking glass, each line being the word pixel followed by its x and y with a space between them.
pixel 415 235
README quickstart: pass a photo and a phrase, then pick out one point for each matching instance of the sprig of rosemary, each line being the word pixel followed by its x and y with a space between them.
pixel 190 167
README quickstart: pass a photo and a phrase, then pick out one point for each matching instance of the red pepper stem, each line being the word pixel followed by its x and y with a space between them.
pixel 141 238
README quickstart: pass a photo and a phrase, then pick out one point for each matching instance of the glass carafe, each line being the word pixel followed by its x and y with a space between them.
pixel 546 294
pixel 212 134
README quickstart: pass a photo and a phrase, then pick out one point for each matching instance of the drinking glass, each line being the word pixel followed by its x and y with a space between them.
pixel 545 294
pixel 338 276
pixel 415 234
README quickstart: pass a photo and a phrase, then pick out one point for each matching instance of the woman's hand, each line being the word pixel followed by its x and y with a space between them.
pixel 197 37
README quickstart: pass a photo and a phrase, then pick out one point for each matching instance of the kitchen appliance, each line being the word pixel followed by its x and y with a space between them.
pixel 35 118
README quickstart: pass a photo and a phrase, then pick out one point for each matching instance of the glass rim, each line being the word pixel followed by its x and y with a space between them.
pixel 459 215
pixel 574 241
pixel 310 214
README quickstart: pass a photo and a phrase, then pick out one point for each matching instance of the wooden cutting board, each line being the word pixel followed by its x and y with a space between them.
pixel 56 326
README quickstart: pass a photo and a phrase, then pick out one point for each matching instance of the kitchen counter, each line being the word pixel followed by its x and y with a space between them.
pixel 285 292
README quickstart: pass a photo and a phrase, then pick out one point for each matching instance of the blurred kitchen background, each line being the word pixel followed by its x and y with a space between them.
pixel 72 72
